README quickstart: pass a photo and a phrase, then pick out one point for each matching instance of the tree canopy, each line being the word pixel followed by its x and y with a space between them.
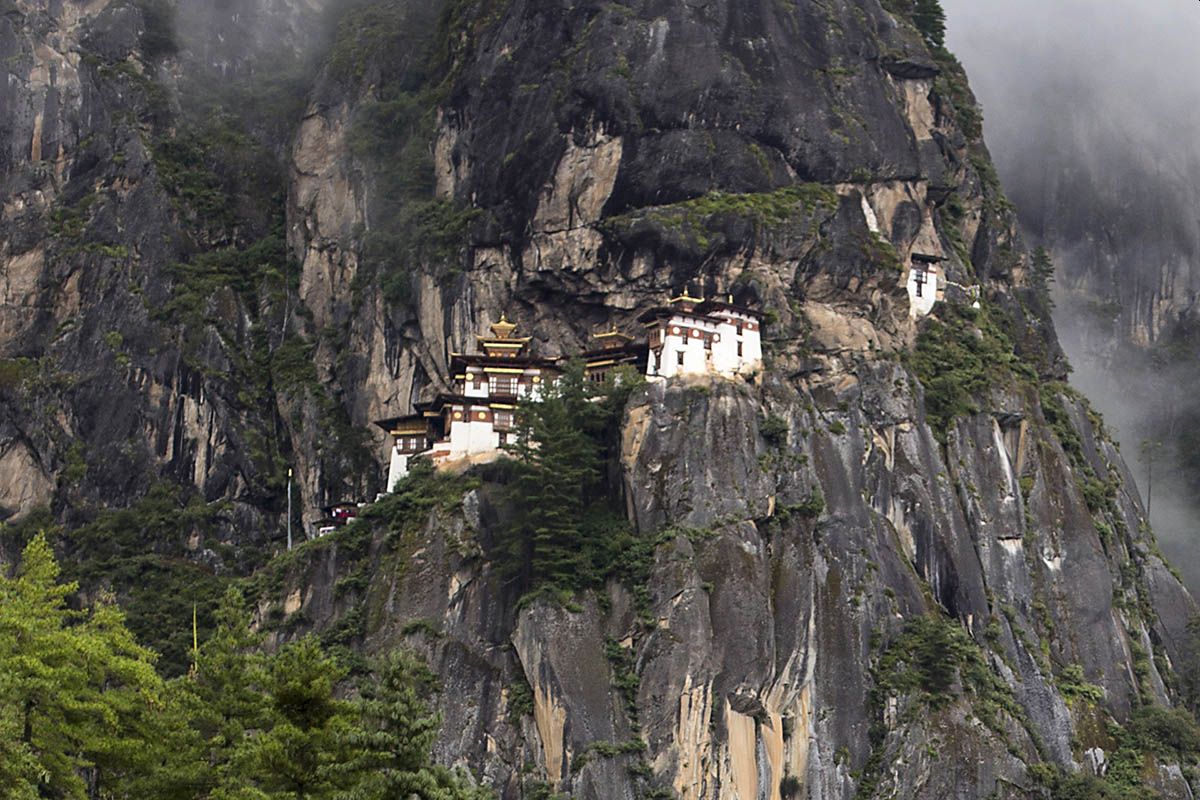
pixel 84 714
pixel 563 527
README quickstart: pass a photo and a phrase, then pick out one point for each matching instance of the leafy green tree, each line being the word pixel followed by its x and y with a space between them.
pixel 80 701
pixel 393 749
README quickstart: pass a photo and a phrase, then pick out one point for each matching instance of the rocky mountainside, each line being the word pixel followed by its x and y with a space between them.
pixel 905 560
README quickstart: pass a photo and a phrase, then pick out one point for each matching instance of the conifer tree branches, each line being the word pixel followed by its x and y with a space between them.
pixel 84 715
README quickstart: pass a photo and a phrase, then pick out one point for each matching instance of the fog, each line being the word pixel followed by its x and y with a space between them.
pixel 1092 114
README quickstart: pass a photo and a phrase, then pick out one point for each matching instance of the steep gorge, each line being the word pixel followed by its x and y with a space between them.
pixel 182 306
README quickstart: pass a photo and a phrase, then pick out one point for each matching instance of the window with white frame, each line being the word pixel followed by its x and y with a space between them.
pixel 504 385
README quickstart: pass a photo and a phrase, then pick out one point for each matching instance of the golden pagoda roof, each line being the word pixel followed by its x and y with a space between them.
pixel 503 329
pixel 502 338
pixel 611 334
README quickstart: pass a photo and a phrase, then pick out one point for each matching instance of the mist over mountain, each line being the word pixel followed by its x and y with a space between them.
pixel 1093 120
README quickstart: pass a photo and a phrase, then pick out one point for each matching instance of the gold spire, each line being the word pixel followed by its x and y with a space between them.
pixel 195 669
pixel 503 329
pixel 502 343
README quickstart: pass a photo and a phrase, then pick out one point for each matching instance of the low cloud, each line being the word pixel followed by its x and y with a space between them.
pixel 1092 114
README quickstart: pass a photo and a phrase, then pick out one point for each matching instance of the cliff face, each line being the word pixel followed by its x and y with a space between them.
pixel 759 657
pixel 613 155
pixel 137 211
pixel 932 484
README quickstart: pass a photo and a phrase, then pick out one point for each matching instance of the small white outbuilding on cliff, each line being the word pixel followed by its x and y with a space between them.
pixel 925 284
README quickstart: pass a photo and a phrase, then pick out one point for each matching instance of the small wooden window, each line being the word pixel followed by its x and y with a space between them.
pixel 920 276
pixel 679 358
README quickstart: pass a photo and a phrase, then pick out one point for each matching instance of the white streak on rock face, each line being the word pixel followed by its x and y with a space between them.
pixel 658 41
pixel 1011 500
pixel 869 215
pixel 1013 547
pixel 919 109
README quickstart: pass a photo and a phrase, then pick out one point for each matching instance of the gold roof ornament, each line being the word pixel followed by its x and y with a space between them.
pixel 612 338
pixel 502 342
pixel 612 333
pixel 503 329
pixel 686 299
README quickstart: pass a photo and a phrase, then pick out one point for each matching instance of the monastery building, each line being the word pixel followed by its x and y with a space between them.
pixel 689 336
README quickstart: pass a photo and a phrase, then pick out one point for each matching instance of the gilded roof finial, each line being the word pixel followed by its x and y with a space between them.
pixel 503 329
pixel 686 297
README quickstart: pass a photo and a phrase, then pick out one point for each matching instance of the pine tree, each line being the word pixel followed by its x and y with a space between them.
pixel 558 471
pixel 83 715
pixel 298 755
pixel 930 20
pixel 222 702
pixel 79 698
pixel 1042 274
pixel 393 748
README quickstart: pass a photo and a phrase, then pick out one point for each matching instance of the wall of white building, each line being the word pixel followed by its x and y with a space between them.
pixel 468 437
pixel 398 468
pixel 681 336
pixel 526 387
pixel 722 358
pixel 726 359
pixel 921 298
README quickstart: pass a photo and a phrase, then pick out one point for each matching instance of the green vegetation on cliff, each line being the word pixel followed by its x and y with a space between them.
pixel 83 714
pixel 960 356
pixel 139 554
pixel 387 44
pixel 701 225
pixel 566 533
